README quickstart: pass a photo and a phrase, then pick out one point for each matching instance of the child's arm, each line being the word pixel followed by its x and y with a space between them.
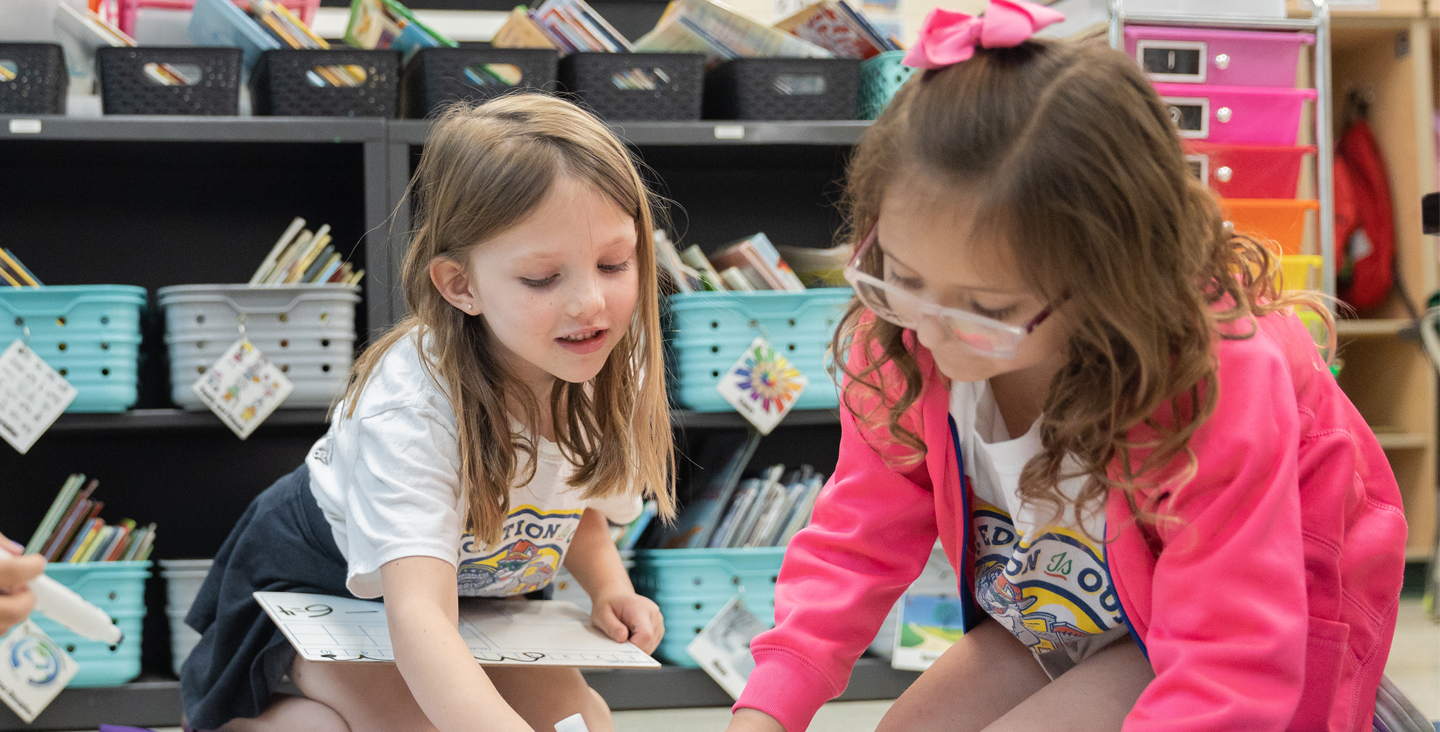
pixel 423 609
pixel 1232 655
pixel 619 612
pixel 870 537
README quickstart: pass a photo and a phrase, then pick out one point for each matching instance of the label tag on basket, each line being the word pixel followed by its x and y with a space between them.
pixel 32 396
pixel 243 388
pixel 723 647
pixel 33 670
pixel 763 385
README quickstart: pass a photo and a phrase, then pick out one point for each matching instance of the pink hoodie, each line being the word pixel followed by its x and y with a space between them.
pixel 1269 606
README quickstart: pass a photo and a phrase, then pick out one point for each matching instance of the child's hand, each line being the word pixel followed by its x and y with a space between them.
pixel 16 599
pixel 626 616
pixel 753 720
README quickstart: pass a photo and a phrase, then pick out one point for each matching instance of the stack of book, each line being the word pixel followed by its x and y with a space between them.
pixel 388 24
pixel 748 265
pixel 711 28
pixel 13 273
pixel 565 25
pixel 840 29
pixel 72 530
pixel 303 257
pixel 728 512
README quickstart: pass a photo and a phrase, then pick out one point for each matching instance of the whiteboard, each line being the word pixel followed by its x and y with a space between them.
pixel 327 628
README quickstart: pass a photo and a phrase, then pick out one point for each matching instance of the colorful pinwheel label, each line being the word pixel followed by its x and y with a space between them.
pixel 763 385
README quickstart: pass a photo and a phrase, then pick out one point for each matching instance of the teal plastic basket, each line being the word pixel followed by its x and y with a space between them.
pixel 880 77
pixel 89 333
pixel 118 588
pixel 691 585
pixel 711 330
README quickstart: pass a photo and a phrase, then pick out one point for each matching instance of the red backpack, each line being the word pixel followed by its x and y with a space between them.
pixel 1364 220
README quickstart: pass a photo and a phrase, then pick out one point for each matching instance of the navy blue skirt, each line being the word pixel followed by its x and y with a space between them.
pixel 282 544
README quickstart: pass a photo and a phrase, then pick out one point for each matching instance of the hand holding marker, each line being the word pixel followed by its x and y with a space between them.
pixel 67 608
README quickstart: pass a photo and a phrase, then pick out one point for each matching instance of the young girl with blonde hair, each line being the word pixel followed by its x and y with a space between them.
pixel 484 441
pixel 1164 513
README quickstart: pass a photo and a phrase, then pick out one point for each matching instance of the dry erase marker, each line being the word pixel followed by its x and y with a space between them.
pixel 71 610
pixel 572 723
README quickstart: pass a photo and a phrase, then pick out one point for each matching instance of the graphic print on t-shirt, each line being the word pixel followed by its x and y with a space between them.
pixel 1048 593
pixel 532 545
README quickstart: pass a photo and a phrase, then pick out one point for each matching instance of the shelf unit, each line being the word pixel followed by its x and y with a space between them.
pixel 180 200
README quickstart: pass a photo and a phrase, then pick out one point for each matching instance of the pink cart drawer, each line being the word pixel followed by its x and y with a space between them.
pixel 1248 171
pixel 1236 114
pixel 1215 57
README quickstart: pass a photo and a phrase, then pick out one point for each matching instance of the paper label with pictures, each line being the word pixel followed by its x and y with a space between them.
pixel 33 670
pixel 763 385
pixel 32 396
pixel 243 388
pixel 723 647
pixel 927 626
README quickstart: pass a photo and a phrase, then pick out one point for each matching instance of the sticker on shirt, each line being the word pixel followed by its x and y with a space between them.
pixel 1049 591
pixel 532 546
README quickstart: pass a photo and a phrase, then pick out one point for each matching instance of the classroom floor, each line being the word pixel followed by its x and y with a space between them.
pixel 1414 666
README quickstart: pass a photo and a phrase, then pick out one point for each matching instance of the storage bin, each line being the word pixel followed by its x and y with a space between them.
pixel 118 588
pixel 1236 114
pixel 89 333
pixel 1270 220
pixel 285 83
pixel 636 86
pixel 1216 57
pixel 33 78
pixel 692 585
pixel 783 89
pixel 183 578
pixel 880 77
pixel 127 88
pixel 1248 171
pixel 306 330
pixel 712 329
pixel 1301 271
pixel 437 76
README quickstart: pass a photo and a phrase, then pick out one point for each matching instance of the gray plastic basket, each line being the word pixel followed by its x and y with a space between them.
pixel 306 330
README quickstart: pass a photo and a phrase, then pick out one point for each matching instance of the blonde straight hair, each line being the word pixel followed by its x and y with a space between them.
pixel 484 170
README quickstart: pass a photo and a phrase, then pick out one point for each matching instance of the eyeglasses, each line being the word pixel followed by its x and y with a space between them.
pixel 985 336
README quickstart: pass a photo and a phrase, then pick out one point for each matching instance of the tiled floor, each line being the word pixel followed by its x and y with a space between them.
pixel 1414 666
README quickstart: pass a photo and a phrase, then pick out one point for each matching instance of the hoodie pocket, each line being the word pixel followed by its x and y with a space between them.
pixel 1325 651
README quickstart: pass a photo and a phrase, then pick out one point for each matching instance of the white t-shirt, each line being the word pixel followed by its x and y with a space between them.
pixel 388 481
pixel 1046 582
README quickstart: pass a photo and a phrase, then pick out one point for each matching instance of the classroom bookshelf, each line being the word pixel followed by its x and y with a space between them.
pixel 158 201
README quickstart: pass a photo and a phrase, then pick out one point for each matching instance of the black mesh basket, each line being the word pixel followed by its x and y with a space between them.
pixel 131 80
pixel 783 88
pixel 293 83
pixel 438 76
pixel 638 86
pixel 33 78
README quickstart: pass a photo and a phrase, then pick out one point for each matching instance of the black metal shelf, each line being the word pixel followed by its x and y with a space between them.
pixel 138 420
pixel 160 128
pixel 707 132
pixel 156 703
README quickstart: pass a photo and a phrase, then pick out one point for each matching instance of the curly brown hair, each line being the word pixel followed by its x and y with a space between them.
pixel 1074 162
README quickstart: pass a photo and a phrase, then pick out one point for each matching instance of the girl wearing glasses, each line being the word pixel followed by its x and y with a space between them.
pixel 1164 512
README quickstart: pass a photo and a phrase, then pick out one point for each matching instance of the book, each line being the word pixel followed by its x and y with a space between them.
pixel 704 26
pixel 838 28
pixel 70 524
pixel 818 267
pixel 735 280
pixel 745 496
pixel 697 260
pixel 14 273
pixel 759 253
pixel 320 261
pixel 521 31
pixel 744 259
pixel 268 264
pixel 800 517
pixel 88 534
pixel 62 502
pixel 635 529
pixel 377 23
pixel 720 461
pixel 769 486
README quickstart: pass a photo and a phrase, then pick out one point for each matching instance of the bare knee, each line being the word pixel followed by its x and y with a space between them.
pixel 544 696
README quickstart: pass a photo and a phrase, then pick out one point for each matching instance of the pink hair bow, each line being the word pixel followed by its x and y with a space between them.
pixel 947 37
